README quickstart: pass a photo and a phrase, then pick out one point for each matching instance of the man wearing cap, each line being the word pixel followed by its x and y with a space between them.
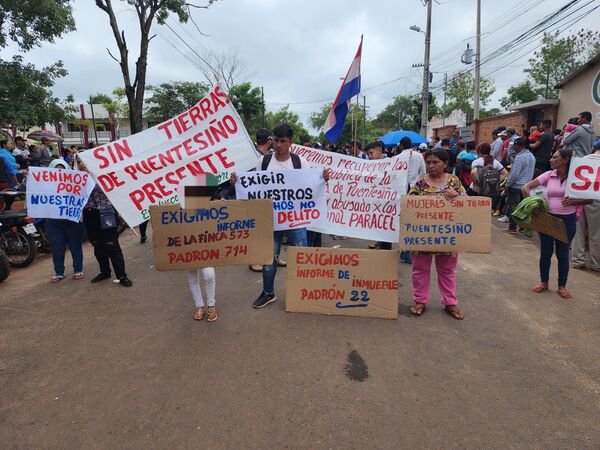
pixel 262 147
pixel 496 144
pixel 588 228
pixel 512 136
pixel 281 159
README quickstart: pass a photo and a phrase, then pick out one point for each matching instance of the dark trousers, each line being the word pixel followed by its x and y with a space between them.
pixel 513 198
pixel 143 228
pixel 62 234
pixel 549 245
pixel 314 239
pixel 106 244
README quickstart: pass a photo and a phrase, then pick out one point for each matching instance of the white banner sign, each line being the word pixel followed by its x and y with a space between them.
pixel 584 179
pixel 57 193
pixel 298 196
pixel 363 197
pixel 144 169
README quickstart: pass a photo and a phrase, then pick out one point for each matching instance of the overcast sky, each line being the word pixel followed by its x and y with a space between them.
pixel 298 49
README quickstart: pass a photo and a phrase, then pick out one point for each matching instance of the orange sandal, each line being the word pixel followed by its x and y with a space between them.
pixel 199 315
pixel 211 313
pixel 540 287
pixel 564 293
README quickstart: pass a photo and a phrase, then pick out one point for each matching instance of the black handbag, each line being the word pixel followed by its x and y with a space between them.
pixel 108 218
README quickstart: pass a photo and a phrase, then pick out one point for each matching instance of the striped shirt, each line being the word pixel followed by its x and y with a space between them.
pixel 522 170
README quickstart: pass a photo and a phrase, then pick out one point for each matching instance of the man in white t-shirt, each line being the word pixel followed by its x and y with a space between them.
pixel 280 159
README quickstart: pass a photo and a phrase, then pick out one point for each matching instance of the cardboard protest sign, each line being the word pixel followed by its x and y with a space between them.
pixel 57 194
pixel 346 282
pixel 434 224
pixel 298 195
pixel 363 197
pixel 584 179
pixel 145 169
pixel 548 224
pixel 212 233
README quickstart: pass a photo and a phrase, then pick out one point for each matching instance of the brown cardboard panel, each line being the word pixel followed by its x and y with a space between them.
pixel 347 282
pixel 212 233
pixel 434 224
pixel 546 223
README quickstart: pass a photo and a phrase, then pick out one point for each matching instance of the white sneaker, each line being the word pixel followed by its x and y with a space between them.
pixel 503 219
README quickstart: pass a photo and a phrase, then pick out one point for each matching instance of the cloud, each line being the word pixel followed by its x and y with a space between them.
pixel 298 49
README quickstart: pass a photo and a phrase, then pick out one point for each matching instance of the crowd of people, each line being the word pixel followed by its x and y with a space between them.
pixel 508 169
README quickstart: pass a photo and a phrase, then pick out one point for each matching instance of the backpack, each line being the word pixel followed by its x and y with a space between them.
pixel 488 180
pixel 297 163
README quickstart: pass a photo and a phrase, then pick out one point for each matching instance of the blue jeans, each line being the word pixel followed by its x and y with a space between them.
pixel 296 238
pixel 548 245
pixel 62 234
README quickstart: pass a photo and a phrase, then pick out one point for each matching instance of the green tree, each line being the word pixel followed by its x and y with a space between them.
pixel 25 96
pixel 99 98
pixel 403 112
pixel 559 57
pixel 147 11
pixel 521 93
pixel 461 89
pixel 117 107
pixel 247 100
pixel 284 115
pixel 29 23
pixel 169 99
pixel 317 120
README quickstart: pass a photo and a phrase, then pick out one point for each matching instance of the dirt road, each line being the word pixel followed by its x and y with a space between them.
pixel 102 366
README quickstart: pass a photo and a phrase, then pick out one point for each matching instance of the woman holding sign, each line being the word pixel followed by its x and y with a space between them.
pixel 563 208
pixel 436 182
pixel 64 233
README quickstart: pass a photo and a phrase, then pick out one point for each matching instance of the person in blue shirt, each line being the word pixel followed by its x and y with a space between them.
pixel 10 163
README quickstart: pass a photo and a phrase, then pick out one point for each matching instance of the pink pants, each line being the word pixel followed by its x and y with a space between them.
pixel 421 274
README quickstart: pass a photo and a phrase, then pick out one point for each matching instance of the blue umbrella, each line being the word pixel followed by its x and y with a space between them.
pixel 393 137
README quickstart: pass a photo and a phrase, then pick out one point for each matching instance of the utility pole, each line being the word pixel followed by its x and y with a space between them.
pixel 262 96
pixel 425 106
pixel 477 65
pixel 364 120
pixel 444 107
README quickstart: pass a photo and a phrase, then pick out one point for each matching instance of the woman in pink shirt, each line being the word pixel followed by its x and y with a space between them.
pixel 563 208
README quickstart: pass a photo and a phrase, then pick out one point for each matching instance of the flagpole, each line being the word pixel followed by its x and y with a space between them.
pixel 356 127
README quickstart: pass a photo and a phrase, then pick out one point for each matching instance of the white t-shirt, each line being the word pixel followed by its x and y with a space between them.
pixel 416 167
pixel 274 164
pixel 479 163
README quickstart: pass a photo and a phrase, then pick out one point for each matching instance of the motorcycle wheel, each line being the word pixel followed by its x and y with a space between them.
pixel 4 266
pixel 20 248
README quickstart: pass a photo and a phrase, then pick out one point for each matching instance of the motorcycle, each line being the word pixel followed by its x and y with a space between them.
pixel 17 231
pixel 4 266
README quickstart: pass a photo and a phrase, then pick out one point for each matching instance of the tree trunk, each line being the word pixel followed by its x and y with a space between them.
pixel 134 91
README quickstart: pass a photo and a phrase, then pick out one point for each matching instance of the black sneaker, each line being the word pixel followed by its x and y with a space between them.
pixel 100 277
pixel 264 300
pixel 125 282
pixel 143 239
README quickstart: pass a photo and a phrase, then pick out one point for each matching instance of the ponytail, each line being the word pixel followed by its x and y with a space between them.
pixel 485 151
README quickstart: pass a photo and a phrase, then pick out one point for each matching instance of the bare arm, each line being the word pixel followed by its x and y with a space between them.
pixel 529 186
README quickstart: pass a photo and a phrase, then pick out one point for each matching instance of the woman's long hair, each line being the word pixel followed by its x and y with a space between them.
pixel 485 150
pixel 568 155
